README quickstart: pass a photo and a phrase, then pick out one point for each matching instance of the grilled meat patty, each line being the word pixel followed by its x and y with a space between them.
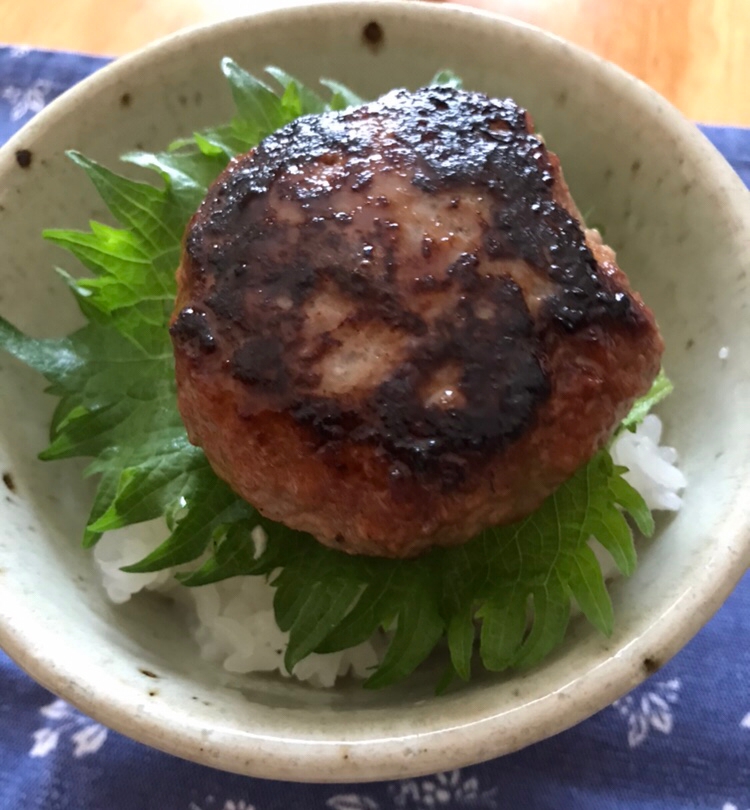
pixel 393 330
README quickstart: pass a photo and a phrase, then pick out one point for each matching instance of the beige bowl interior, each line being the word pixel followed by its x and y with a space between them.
pixel 673 209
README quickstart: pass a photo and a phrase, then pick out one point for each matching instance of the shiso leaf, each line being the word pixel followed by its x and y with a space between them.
pixel 219 508
pixel 461 632
pixel 259 109
pixel 372 610
pixel 115 382
pixel 615 536
pixel 551 613
pixel 232 552
pixel 55 359
pixel 504 616
pixel 662 387
pixel 307 101
pixel 342 97
pixel 315 609
pixel 585 584
pixel 447 78
pixel 632 502
pixel 419 625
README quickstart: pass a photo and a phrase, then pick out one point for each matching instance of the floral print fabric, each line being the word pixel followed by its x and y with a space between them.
pixel 680 740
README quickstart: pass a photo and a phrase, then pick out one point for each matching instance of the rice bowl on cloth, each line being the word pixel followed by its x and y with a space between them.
pixel 679 226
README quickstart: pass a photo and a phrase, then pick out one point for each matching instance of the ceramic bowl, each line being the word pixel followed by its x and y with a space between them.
pixel 675 212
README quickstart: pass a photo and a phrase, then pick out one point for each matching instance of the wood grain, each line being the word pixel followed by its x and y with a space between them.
pixel 694 52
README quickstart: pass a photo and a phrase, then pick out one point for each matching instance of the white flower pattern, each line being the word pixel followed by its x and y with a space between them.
pixel 86 736
pixel 26 100
pixel 443 790
pixel 649 708
pixel 351 801
pixel 745 722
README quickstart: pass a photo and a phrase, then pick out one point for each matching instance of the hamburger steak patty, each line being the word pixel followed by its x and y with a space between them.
pixel 392 329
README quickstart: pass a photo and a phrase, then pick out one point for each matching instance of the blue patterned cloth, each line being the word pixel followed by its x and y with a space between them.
pixel 681 740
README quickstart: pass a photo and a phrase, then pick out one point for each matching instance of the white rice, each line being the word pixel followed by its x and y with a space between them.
pixel 652 467
pixel 233 621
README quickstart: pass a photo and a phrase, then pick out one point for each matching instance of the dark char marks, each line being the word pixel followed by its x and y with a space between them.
pixel 442 139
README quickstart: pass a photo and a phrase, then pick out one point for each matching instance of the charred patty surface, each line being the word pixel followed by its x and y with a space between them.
pixel 392 328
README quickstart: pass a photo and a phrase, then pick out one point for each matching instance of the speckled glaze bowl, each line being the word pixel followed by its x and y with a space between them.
pixel 680 220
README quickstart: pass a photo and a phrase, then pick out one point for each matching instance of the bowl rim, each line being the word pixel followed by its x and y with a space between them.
pixel 481 736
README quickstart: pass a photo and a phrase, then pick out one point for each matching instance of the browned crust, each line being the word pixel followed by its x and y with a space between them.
pixel 357 476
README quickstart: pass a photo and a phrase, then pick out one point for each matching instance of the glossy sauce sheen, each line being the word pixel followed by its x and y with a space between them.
pixel 396 277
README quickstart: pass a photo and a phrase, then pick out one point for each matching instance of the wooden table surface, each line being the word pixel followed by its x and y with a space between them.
pixel 694 52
